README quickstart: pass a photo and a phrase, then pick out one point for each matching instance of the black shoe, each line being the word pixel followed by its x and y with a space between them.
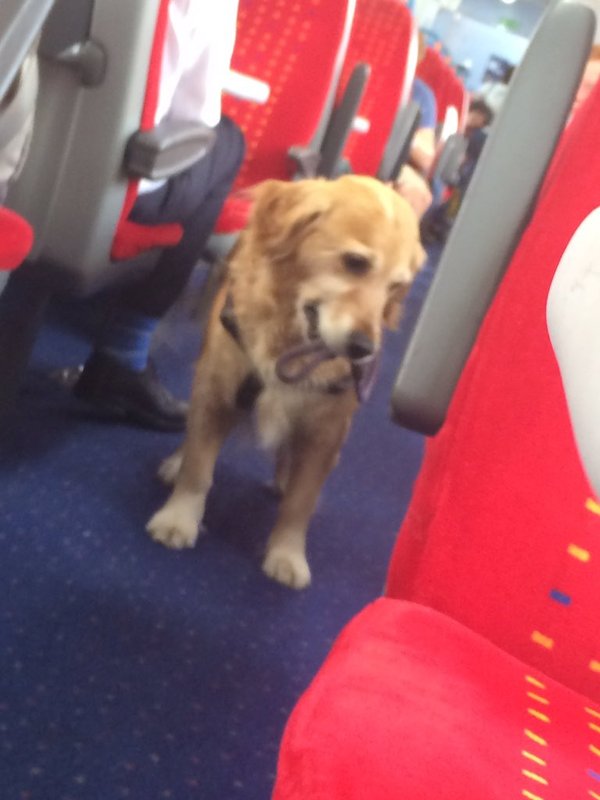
pixel 137 397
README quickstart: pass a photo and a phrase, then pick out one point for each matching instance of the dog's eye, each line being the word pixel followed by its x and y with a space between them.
pixel 356 263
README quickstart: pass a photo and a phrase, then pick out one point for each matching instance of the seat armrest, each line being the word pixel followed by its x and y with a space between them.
pixel 342 120
pixel 306 160
pixel 451 157
pixel 397 150
pixel 167 149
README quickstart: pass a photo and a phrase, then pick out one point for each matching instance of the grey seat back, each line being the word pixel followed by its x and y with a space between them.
pixel 93 73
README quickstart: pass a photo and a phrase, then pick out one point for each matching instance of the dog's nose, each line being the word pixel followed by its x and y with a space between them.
pixel 359 346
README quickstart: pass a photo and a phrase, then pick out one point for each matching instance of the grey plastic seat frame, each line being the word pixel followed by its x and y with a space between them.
pixel 494 213
pixel 94 60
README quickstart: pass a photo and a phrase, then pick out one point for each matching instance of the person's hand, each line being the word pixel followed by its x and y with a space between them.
pixel 414 188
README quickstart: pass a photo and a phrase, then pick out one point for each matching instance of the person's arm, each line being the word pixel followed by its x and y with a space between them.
pixel 414 188
pixel 196 60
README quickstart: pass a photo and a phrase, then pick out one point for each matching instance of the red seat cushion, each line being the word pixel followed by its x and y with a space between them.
pixel 235 213
pixel 411 705
pixel 16 239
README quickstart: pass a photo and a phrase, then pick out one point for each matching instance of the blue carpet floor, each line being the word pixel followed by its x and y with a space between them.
pixel 129 671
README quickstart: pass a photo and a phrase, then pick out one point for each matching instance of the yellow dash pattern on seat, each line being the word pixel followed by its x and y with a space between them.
pixel 538 715
pixel 535 738
pixel 595 666
pixel 538 698
pixel 542 640
pixel 530 795
pixel 592 712
pixel 532 757
pixel 592 727
pixel 595 750
pixel 592 505
pixel 534 682
pixel 593 794
pixel 579 553
pixel 534 777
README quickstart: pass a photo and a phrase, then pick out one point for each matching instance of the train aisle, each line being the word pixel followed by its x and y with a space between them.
pixel 135 672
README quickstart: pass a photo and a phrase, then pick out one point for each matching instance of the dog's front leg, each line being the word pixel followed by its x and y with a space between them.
pixel 308 465
pixel 177 523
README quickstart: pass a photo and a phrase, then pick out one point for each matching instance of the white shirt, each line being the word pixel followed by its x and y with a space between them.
pixel 197 55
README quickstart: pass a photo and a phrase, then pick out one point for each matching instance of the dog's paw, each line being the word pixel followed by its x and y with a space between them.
pixel 174 527
pixel 287 567
pixel 169 469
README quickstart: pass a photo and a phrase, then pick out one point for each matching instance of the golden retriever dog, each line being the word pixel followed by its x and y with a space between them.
pixel 293 335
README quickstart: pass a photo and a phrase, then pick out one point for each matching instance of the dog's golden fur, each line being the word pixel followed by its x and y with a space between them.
pixel 348 248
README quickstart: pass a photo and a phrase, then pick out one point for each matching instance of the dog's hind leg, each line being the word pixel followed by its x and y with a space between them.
pixel 309 465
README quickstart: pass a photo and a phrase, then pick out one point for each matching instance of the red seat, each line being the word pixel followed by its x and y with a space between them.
pixel 478 677
pixel 294 48
pixel 384 37
pixel 447 87
pixel 16 239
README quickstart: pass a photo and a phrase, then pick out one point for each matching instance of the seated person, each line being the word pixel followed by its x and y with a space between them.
pixel 117 378
pixel 479 116
pixel 413 180
pixel 17 111
pixel 438 223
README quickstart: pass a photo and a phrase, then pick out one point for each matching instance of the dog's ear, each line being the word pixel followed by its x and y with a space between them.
pixel 284 211
pixel 392 311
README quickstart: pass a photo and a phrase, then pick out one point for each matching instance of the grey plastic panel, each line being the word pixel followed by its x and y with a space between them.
pixel 20 23
pixel 340 123
pixel 73 187
pixel 68 23
pixel 493 215
pixel 397 149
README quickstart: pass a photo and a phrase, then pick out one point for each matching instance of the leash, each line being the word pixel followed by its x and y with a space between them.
pixel 299 362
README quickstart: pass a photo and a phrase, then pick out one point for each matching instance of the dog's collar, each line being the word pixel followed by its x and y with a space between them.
pixel 299 362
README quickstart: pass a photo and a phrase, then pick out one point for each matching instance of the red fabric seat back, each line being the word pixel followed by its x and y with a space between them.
pixel 294 48
pixel 503 533
pixel 383 36
pixel 131 239
pixel 437 74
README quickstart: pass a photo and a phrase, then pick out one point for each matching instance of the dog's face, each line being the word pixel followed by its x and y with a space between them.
pixel 345 251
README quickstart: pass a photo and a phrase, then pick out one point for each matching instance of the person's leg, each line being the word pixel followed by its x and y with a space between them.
pixel 117 376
